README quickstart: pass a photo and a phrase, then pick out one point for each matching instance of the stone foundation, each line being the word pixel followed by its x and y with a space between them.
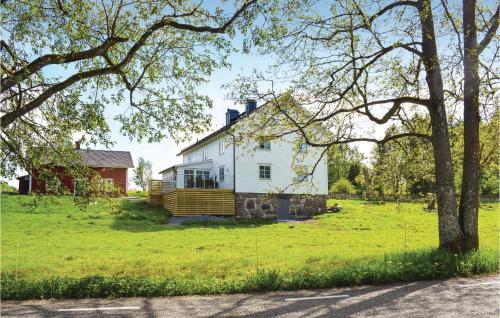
pixel 263 205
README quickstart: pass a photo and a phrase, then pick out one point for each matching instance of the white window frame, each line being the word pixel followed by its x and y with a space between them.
pixel 222 147
pixel 265 166
pixel 56 182
pixel 191 173
pixel 265 145
pixel 108 181
pixel 75 182
pixel 204 154
pixel 221 175
pixel 190 158
pixel 303 178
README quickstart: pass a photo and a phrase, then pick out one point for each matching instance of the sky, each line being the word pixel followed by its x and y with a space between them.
pixel 164 154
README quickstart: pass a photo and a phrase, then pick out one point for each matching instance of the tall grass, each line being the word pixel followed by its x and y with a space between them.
pixel 400 267
pixel 126 248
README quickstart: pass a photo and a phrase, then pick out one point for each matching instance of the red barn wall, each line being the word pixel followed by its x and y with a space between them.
pixel 119 176
pixel 39 186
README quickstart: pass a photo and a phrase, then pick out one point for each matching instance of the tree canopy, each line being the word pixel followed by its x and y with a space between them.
pixel 68 64
pixel 356 63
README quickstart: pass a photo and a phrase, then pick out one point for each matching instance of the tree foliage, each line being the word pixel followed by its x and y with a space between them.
pixel 342 186
pixel 143 173
pixel 344 162
pixel 68 64
pixel 356 63
pixel 406 166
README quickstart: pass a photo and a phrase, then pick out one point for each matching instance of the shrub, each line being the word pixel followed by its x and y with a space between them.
pixel 342 186
pixel 6 188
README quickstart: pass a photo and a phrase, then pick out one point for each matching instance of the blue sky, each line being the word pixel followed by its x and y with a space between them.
pixel 163 154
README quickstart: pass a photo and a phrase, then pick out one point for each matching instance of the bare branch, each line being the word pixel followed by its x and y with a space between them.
pixel 50 59
pixel 490 34
pixel 166 21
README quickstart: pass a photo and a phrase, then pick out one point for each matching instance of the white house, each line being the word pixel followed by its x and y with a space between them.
pixel 270 178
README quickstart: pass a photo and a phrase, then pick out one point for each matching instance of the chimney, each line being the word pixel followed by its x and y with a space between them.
pixel 250 105
pixel 77 145
pixel 231 115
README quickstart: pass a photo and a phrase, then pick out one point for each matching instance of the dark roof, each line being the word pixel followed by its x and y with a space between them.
pixel 174 166
pixel 106 158
pixel 215 133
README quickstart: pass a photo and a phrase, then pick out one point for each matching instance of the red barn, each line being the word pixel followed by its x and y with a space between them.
pixel 111 165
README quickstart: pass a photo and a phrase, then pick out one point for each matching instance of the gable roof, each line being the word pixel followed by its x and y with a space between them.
pixel 106 158
pixel 240 117
pixel 215 133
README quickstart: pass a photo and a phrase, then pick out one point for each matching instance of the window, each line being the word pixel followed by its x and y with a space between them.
pixel 205 154
pixel 302 174
pixel 79 187
pixel 303 147
pixel 265 145
pixel 53 185
pixel 265 172
pixel 108 185
pixel 222 147
pixel 190 158
pixel 202 177
pixel 221 174
pixel 188 178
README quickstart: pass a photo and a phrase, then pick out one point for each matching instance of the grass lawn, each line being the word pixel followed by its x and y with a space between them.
pixel 131 239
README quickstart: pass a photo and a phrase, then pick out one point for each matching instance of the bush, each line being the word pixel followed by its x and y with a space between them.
pixel 6 188
pixel 138 193
pixel 342 186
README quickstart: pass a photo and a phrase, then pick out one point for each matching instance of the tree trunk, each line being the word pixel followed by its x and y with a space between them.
pixel 469 195
pixel 450 234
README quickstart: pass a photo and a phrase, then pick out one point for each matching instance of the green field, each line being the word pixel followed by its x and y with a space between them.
pixel 130 239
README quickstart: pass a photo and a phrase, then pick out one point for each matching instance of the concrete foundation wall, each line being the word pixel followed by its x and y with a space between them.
pixel 251 205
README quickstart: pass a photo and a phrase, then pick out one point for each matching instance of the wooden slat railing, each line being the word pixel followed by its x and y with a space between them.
pixel 155 192
pixel 200 202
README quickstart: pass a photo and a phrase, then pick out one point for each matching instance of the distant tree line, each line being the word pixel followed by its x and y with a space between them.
pixel 406 166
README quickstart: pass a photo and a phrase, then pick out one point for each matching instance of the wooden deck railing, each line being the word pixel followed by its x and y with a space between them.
pixel 155 193
pixel 191 201
pixel 200 202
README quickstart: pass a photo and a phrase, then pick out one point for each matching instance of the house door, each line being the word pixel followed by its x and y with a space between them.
pixel 283 209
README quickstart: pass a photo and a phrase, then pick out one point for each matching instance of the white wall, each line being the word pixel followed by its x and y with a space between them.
pixel 167 175
pixel 218 160
pixel 282 158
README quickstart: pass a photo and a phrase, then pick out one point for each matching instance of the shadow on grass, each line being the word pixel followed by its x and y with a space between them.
pixel 139 216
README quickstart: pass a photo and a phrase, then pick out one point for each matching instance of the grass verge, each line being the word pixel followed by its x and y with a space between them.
pixel 398 267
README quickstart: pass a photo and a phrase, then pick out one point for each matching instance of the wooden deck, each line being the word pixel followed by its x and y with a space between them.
pixel 181 202
pixel 154 193
pixel 200 202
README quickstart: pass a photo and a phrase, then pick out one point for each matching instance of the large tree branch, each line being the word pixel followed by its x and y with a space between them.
pixel 395 101
pixel 50 59
pixel 492 30
pixel 8 118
